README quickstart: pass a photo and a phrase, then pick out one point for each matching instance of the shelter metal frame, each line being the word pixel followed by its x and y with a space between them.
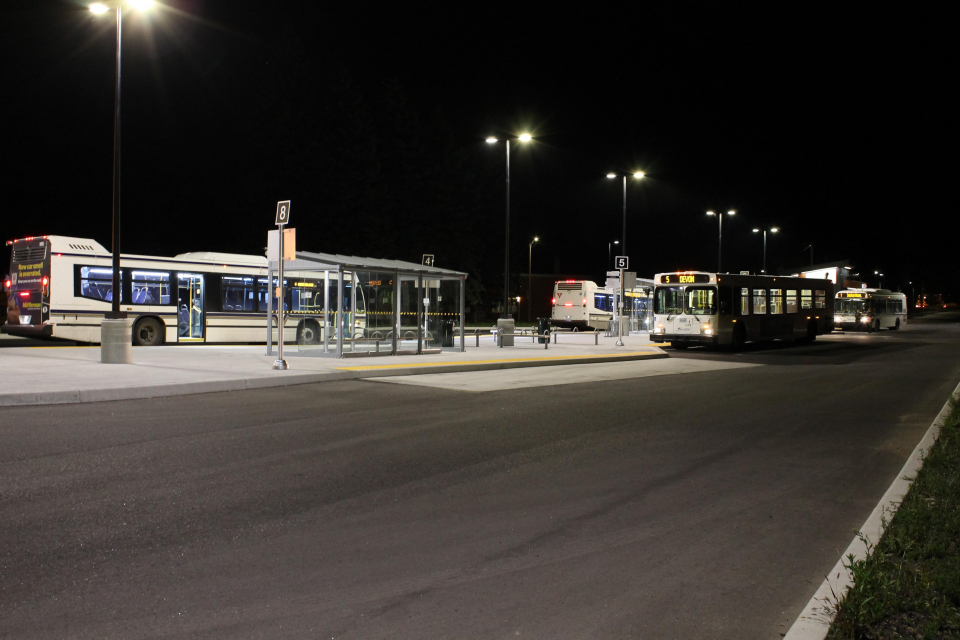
pixel 350 266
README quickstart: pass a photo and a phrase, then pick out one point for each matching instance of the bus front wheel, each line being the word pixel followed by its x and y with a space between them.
pixel 897 325
pixel 739 337
pixel 148 333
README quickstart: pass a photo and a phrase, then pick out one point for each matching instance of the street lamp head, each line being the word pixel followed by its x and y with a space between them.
pixel 774 229
pixel 536 238
pixel 611 175
pixel 639 174
pixel 711 213
pixel 491 140
pixel 731 212
pixel 756 230
pixel 524 137
pixel 96 7
pixel 876 272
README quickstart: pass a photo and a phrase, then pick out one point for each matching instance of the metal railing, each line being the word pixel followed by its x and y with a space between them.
pixel 533 334
pixel 595 333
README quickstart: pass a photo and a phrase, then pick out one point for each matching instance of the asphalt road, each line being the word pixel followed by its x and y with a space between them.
pixel 698 505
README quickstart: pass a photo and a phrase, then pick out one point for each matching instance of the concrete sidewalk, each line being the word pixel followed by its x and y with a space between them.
pixel 60 375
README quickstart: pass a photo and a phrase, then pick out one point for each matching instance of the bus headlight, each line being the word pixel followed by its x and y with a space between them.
pixel 658 328
pixel 865 319
pixel 837 319
pixel 706 329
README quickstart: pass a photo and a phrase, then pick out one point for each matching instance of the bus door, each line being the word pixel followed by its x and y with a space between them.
pixel 190 313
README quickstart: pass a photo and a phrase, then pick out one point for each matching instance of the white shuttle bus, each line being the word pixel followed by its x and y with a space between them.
pixel 581 305
pixel 870 310
pixel 697 308
pixel 62 287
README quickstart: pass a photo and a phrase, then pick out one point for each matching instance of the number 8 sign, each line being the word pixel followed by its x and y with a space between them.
pixel 283 212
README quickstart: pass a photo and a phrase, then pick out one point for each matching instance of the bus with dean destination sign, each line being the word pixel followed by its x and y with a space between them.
pixel 713 309
pixel 870 310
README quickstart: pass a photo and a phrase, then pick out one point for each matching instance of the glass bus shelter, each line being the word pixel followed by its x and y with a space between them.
pixel 347 306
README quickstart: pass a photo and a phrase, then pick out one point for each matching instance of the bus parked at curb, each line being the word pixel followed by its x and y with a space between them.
pixel 870 310
pixel 62 288
pixel 717 309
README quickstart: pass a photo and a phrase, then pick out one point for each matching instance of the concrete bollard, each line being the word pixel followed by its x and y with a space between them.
pixel 116 341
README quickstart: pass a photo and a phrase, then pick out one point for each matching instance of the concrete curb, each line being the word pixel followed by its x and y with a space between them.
pixel 814 621
pixel 355 372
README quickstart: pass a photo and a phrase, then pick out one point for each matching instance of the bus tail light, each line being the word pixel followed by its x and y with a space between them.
pixel 553 301
pixel 584 302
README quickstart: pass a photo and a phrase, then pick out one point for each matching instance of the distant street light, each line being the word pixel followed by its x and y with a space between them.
pixel 877 273
pixel 609 256
pixel 638 175
pixel 523 137
pixel 720 242
pixel 99 8
pixel 772 230
pixel 530 278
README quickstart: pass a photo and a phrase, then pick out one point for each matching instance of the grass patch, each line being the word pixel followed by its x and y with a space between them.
pixel 908 586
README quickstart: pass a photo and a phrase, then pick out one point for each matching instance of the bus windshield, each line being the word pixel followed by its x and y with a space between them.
pixel 843 305
pixel 668 300
pixel 701 301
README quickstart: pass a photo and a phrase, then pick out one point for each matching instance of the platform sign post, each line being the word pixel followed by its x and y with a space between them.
pixel 622 263
pixel 283 217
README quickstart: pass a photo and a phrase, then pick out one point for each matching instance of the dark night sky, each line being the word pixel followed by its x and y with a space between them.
pixel 829 123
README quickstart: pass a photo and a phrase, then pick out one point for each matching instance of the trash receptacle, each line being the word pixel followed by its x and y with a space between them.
pixel 446 333
pixel 543 329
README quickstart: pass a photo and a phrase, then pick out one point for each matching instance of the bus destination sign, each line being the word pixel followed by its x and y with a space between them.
pixel 685 278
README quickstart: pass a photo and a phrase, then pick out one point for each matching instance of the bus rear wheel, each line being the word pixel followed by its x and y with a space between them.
pixel 148 333
pixel 896 326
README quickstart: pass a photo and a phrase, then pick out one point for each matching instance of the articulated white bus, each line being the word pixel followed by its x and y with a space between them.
pixel 62 287
pixel 870 309
pixel 727 309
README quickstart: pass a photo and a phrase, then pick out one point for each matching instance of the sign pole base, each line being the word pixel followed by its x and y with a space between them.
pixel 280 364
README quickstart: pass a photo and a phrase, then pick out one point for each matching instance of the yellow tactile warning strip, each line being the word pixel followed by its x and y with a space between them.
pixel 505 360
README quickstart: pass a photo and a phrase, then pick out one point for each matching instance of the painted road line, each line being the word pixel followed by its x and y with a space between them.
pixel 460 363
pixel 815 619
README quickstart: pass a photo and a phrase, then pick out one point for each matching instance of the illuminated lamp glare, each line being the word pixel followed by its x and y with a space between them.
pixel 639 174
pixel 711 213
pixel 611 175
pixel 525 137
pixel 491 140
pixel 96 7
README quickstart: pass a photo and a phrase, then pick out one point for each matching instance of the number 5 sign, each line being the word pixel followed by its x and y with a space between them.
pixel 622 262
pixel 283 212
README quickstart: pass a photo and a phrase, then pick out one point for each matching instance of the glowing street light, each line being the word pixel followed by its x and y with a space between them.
pixel 115 313
pixel 772 230
pixel 720 242
pixel 523 137
pixel 609 256
pixel 530 278
pixel 638 175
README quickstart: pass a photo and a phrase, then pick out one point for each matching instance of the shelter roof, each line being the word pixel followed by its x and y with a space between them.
pixel 307 260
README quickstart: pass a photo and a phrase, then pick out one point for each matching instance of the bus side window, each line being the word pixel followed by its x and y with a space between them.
pixel 806 299
pixel 821 299
pixel 744 301
pixel 791 300
pixel 760 301
pixel 726 296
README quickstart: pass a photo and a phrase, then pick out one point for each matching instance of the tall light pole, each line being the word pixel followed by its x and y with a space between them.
pixel 638 175
pixel 524 137
pixel 609 255
pixel 115 313
pixel 530 278
pixel 720 241
pixel 772 230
